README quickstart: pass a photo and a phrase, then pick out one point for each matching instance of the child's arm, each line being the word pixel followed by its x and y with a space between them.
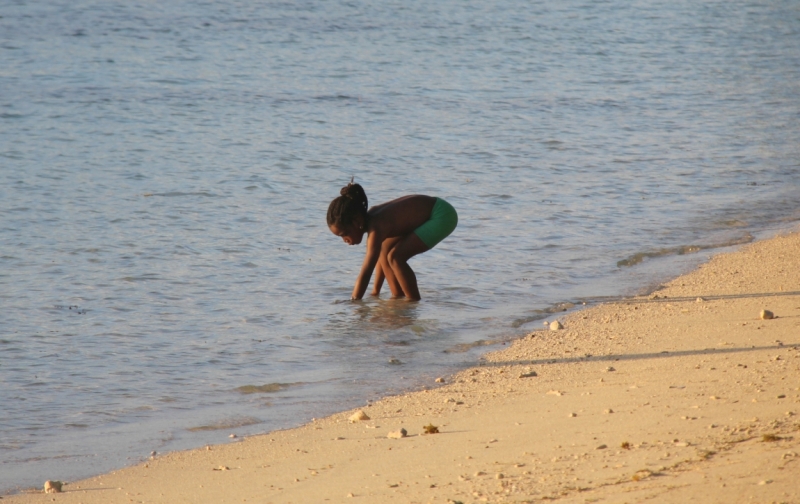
pixel 370 260
pixel 379 277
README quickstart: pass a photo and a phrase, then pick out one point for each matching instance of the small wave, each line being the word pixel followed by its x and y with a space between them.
pixel 141 278
pixel 229 423
pixel 466 347
pixel 178 194
pixel 265 389
pixel 543 313
pixel 337 97
pixel 402 343
pixel 681 250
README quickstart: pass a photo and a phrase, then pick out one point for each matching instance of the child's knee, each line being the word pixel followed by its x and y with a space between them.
pixel 394 258
pixel 390 256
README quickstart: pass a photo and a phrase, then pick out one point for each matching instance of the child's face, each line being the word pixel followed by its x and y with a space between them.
pixel 351 235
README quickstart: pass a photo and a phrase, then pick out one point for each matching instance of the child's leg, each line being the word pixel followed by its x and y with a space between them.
pixel 406 247
pixel 379 277
pixel 386 268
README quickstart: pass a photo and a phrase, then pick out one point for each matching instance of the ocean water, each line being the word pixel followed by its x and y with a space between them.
pixel 166 274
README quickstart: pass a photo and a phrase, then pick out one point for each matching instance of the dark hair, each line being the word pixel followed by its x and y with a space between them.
pixel 352 202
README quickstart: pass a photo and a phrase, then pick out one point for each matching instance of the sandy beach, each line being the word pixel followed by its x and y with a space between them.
pixel 685 394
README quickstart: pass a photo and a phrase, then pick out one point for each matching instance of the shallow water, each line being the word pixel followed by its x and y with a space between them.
pixel 166 275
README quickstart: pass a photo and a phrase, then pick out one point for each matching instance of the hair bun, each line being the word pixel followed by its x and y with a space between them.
pixel 353 201
pixel 346 189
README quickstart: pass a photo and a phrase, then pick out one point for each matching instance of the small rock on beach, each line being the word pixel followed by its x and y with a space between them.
pixel 556 325
pixel 430 429
pixel 398 434
pixel 767 315
pixel 51 486
pixel 358 416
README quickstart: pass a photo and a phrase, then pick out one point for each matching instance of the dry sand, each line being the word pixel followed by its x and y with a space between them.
pixel 685 395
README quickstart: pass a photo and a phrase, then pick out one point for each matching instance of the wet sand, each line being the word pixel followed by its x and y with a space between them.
pixel 686 394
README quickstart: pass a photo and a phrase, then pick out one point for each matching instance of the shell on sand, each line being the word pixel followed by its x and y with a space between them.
pixel 556 325
pixel 767 315
pixel 358 416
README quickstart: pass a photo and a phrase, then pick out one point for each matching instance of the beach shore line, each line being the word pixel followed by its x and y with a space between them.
pixel 686 394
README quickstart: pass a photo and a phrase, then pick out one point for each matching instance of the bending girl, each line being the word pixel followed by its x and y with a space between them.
pixel 396 231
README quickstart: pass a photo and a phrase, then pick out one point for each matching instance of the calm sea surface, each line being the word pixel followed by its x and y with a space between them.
pixel 166 274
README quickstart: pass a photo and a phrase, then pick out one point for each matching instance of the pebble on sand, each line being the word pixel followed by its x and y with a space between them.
pixel 556 325
pixel 767 315
pixel 398 434
pixel 439 380
pixel 52 486
pixel 358 416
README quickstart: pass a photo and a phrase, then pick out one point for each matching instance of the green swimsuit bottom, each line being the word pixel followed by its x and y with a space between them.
pixel 442 222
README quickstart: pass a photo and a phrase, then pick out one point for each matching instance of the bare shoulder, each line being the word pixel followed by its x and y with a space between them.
pixel 402 215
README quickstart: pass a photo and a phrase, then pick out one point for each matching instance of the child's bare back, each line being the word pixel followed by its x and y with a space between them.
pixel 400 216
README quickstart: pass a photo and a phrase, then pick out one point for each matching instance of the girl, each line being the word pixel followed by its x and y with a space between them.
pixel 396 231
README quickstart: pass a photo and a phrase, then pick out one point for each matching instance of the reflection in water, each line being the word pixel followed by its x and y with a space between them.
pixel 384 332
pixel 387 314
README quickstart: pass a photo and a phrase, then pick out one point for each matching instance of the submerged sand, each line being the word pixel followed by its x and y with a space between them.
pixel 683 395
